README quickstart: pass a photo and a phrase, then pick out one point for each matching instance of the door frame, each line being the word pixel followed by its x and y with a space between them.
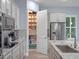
pixel 28 29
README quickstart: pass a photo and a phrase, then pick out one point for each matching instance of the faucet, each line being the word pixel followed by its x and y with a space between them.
pixel 75 43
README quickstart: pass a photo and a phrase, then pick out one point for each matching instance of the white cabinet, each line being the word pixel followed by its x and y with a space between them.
pixel 13 9
pixel 16 54
pixel 22 50
pixel 3 5
pixel 17 21
pixel 8 56
pixel 49 52
pixel 24 46
pixel 52 53
pixel 0 4
pixel 57 17
pixel 56 55
pixel 8 7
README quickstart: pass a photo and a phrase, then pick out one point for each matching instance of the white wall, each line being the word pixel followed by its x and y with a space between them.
pixel 22 6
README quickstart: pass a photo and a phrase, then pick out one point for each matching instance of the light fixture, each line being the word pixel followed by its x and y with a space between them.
pixel 64 0
pixel 3 1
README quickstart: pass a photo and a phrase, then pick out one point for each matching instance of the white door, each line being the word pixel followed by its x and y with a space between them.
pixel 42 32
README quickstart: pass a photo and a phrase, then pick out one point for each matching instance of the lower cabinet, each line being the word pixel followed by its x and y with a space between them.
pixel 17 53
pixel 52 53
pixel 22 50
pixel 8 56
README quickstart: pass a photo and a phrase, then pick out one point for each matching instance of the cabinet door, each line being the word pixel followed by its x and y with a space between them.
pixel 53 17
pixel 13 9
pixel 16 53
pixel 17 21
pixel 8 7
pixel 61 17
pixel 57 17
pixel 52 52
pixel 0 3
pixel 49 52
pixel 57 55
pixel 9 56
pixel 22 50
pixel 3 5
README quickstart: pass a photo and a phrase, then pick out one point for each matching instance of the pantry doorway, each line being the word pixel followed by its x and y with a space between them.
pixel 32 16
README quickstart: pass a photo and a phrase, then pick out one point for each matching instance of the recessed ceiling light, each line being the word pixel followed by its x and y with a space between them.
pixel 64 0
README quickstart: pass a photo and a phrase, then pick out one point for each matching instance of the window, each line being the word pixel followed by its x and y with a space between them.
pixel 70 26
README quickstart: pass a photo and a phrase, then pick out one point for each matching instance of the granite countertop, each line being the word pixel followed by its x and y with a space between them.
pixel 65 42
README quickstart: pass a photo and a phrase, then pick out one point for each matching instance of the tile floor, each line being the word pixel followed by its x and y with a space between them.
pixel 33 54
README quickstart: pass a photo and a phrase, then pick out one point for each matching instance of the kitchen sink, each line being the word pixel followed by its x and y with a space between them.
pixel 66 49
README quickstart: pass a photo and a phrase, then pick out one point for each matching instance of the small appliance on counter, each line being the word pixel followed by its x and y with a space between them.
pixel 10 40
pixel 12 36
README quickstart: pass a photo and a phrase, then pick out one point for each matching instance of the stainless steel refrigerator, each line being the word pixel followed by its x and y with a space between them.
pixel 57 31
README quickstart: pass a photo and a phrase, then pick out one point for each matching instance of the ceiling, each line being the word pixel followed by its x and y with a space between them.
pixel 58 3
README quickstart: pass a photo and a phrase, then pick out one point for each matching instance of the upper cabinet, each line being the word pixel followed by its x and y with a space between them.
pixel 13 9
pixel 0 4
pixel 3 5
pixel 17 17
pixel 57 17
pixel 8 7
